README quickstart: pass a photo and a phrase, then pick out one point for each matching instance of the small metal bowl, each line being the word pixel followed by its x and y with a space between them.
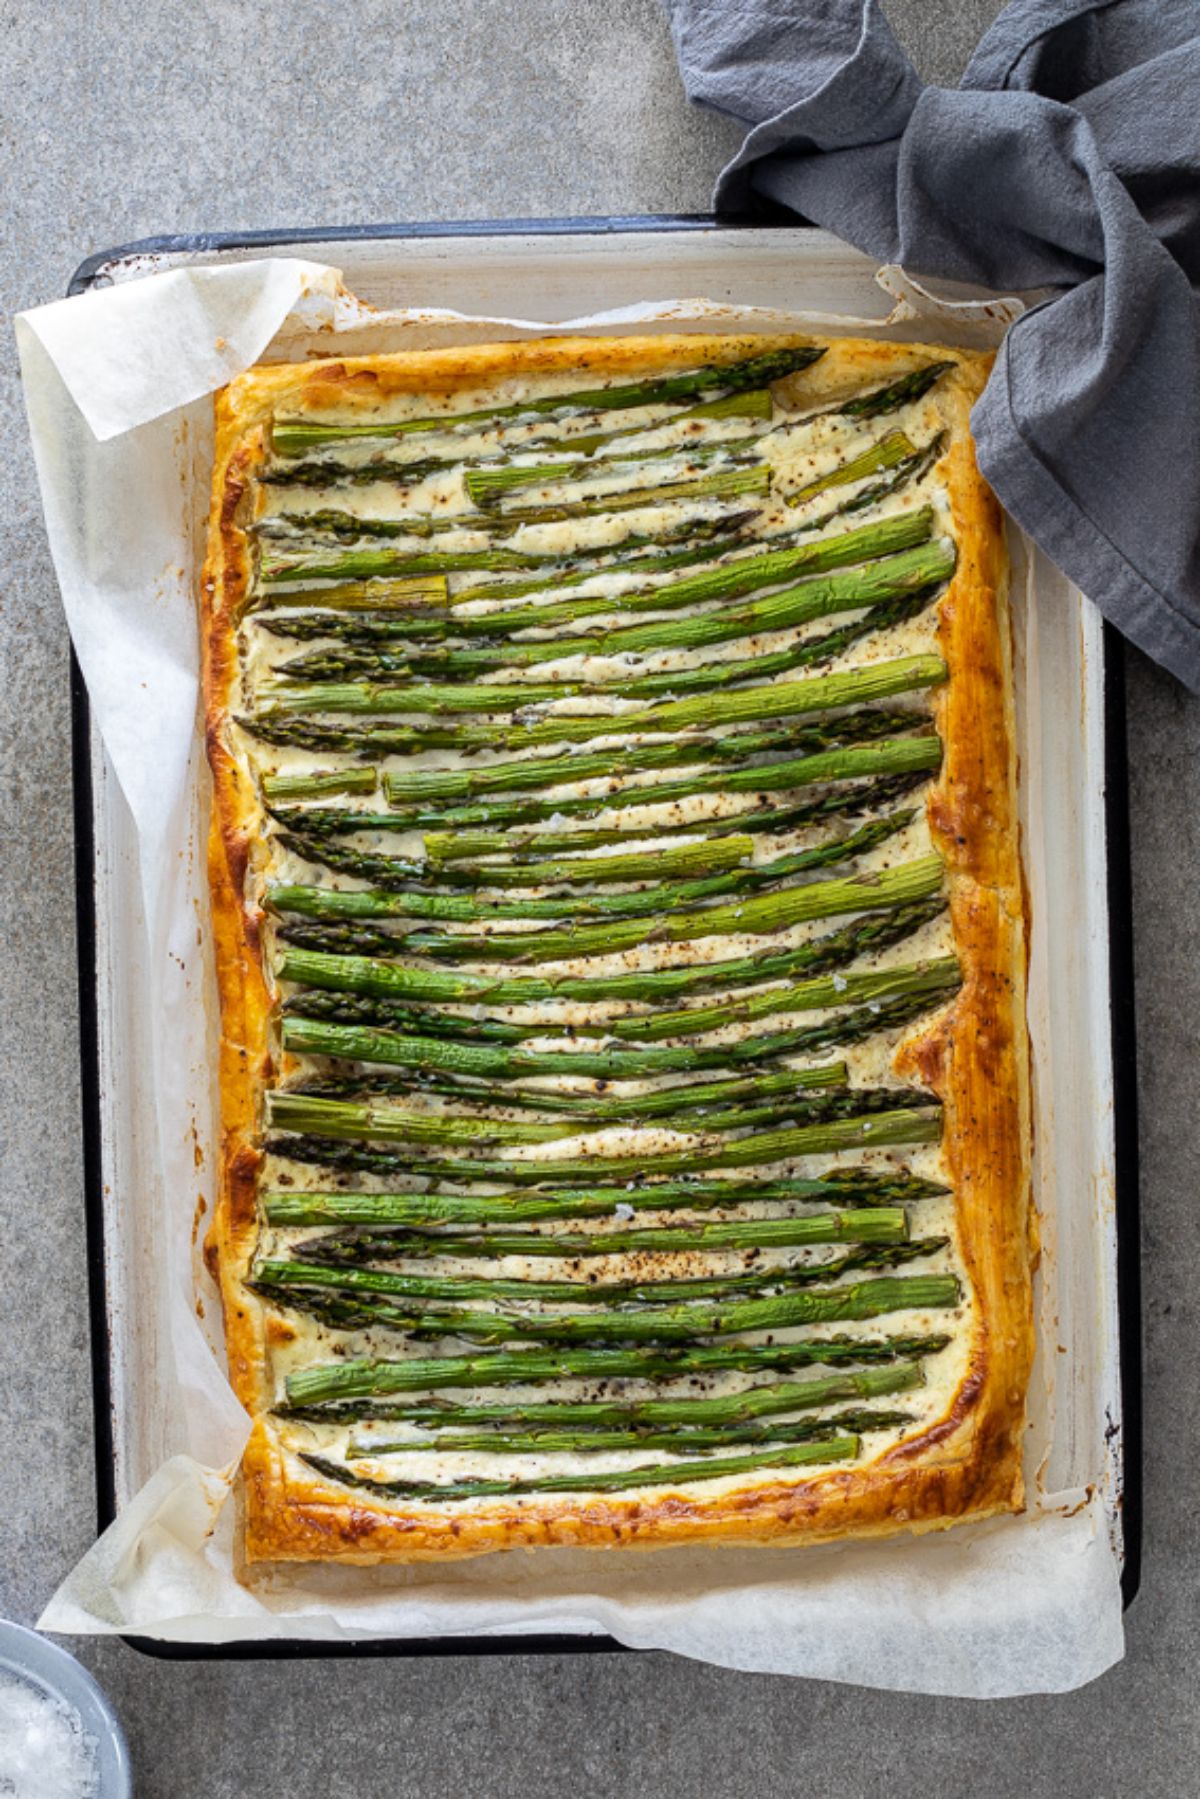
pixel 26 1656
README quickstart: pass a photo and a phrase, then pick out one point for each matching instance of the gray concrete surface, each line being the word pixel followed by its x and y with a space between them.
pixel 126 117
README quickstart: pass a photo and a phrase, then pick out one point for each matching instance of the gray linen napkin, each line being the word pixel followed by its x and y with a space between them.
pixel 1069 158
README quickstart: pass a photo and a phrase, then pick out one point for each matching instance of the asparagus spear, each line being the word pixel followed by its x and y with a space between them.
pixel 704 540
pixel 753 479
pixel 278 726
pixel 910 573
pixel 745 573
pixel 353 1008
pixel 815 693
pixel 320 784
pixel 420 697
pixel 445 851
pixel 721 484
pixel 858 1188
pixel 452 859
pixel 387 1124
pixel 893 756
pixel 699 540
pixel 904 392
pixel 330 472
pixel 359 974
pixel 360 658
pixel 413 595
pixel 757 915
pixel 365 565
pixel 409 1163
pixel 730 1408
pixel 753 404
pixel 708 1107
pixel 780 1098
pixel 724 579
pixel 911 754
pixel 353 938
pixel 421 526
pixel 443 848
pixel 367 663
pixel 272 1276
pixel 327 904
pixel 488 485
pixel 675 754
pixel 694 857
pixel 852 1026
pixel 290 436
pixel 357 1312
pixel 732 543
pixel 297 528
pixel 655 1474
pixel 590 1107
pixel 537 773
pixel 443 1063
pixel 678 1442
pixel 890 450
pixel 748 403
pixel 884 542
pixel 773 1100
pixel 287 1110
pixel 672 1323
pixel 928 982
pixel 340 1383
pixel 701 536
pixel 906 472
pixel 493 1062
pixel 893 581
pixel 778 611
pixel 860 1225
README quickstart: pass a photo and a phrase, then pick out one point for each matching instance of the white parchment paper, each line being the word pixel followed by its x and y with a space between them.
pixel 118 386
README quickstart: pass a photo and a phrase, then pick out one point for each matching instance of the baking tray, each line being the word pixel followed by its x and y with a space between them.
pixel 585 251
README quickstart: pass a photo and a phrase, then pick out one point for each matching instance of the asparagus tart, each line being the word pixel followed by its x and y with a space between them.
pixel 619 932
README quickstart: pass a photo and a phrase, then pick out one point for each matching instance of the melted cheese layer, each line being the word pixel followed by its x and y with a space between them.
pixel 799 452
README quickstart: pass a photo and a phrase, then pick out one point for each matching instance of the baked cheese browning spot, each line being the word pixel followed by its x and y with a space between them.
pixel 605 736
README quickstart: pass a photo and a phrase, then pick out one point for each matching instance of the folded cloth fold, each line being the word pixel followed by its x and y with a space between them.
pixel 1069 158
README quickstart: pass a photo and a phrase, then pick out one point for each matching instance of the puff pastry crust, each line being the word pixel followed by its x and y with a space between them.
pixel 965 1463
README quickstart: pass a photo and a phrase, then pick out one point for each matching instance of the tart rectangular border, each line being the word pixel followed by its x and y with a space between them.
pixel 967 1466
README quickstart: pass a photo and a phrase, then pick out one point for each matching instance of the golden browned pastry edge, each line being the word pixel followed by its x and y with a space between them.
pixel 967 1465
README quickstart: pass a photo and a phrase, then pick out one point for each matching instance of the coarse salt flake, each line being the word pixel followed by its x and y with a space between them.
pixel 44 1751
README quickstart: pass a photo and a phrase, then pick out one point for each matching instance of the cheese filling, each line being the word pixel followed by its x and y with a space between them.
pixel 660 1034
